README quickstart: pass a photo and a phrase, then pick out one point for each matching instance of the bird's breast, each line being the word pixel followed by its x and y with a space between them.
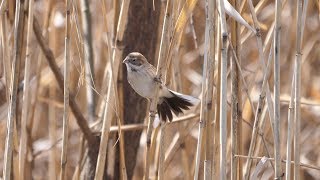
pixel 142 83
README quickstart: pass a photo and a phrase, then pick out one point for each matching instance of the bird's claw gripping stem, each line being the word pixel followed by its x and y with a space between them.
pixel 158 80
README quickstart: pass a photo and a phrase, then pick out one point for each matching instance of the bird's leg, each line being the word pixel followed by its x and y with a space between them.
pixel 157 79
pixel 151 112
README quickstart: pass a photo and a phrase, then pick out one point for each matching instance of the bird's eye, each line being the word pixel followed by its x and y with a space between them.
pixel 134 60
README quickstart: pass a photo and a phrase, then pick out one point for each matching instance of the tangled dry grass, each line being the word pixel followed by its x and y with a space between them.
pixel 67 111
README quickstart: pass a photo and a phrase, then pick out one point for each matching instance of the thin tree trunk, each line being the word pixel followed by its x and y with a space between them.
pixel 236 106
pixel 18 40
pixel 223 95
pixel 93 143
pixel 301 15
pixel 81 121
pixel 66 93
pixel 112 99
pixel 277 151
pixel 88 58
pixel 141 37
pixel 26 95
pixel 5 54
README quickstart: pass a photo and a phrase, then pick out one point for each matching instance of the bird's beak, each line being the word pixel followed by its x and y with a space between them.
pixel 125 60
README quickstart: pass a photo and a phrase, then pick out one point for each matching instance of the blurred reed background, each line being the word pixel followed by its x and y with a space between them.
pixel 68 112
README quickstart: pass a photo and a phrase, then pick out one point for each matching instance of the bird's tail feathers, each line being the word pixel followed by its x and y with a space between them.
pixel 191 99
pixel 176 104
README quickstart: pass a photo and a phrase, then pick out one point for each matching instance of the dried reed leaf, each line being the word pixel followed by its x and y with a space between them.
pixel 261 165
pixel 233 13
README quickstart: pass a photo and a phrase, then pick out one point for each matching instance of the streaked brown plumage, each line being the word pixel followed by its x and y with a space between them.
pixel 141 76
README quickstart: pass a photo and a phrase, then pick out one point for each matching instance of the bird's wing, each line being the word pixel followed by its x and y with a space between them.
pixel 151 71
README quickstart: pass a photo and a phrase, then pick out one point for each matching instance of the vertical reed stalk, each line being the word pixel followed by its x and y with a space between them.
pixel 52 135
pixel 39 59
pixel 236 125
pixel 163 62
pixel 162 152
pixel 104 87
pixel 25 109
pixel 34 97
pixel 261 60
pixel 206 101
pixel 7 62
pixel 193 31
pixel 258 113
pixel 201 124
pixel 261 139
pixel 66 93
pixel 165 39
pixel 277 152
pixel 109 108
pixel 290 130
pixel 267 90
pixel 177 84
pixel 262 63
pixel 18 41
pixel 81 121
pixel 5 54
pixel 111 157
pixel 123 169
pixel 178 141
pixel 161 70
pixel 300 29
pixel 208 165
pixel 179 27
pixel 297 88
pixel 78 169
pixel 116 8
pixel 185 161
pixel 119 103
pixel 88 57
pixel 203 118
pixel 176 53
pixel 216 133
pixel 11 8
pixel 223 90
pixel 154 148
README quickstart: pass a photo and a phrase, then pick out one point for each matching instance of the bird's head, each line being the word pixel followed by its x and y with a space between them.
pixel 135 60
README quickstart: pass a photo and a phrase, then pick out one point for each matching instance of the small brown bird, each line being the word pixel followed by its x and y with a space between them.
pixel 142 78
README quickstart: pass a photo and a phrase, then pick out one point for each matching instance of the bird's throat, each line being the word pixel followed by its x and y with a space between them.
pixel 133 69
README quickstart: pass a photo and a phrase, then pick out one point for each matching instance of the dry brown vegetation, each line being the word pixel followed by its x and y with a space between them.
pixel 68 112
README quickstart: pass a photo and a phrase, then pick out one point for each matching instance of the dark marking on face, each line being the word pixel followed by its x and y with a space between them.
pixel 135 61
